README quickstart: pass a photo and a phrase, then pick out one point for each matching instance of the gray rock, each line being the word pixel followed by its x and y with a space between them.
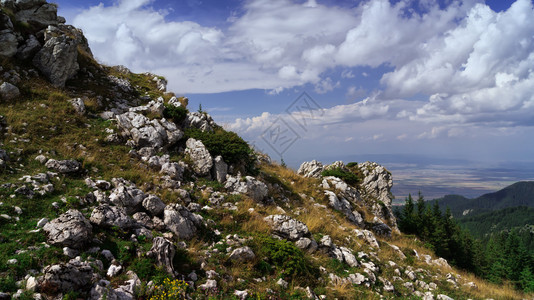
pixel 251 187
pixel 62 278
pixel 163 252
pixel 113 270
pixel 64 166
pixel 181 221
pixel 70 252
pixel 306 244
pixel 30 47
pixel 444 297
pixel 242 254
pixel 153 205
pixel 79 105
pixel 311 169
pixel 8 91
pixel 143 219
pixel 282 283
pixel 367 236
pixel 107 216
pixel 128 197
pixel 58 58
pixel 210 285
pixel 344 206
pixel 70 229
pixel 38 16
pixel 202 160
pixel 172 169
pixel 287 227
pixel 202 121
pixel 128 291
pixel 144 132
pixel 102 290
pixel 376 188
pixel 42 222
pixel 220 169
pixel 8 41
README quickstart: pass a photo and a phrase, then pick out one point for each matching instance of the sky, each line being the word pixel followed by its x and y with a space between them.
pixel 448 80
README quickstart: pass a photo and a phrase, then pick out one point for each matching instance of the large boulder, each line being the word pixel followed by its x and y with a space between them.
pixel 220 169
pixel 108 216
pixel 201 157
pixel 153 205
pixel 8 91
pixel 242 254
pixel 251 187
pixel 376 189
pixel 30 47
pixel 181 221
pixel 287 227
pixel 62 278
pixel 38 14
pixel 8 39
pixel 163 252
pixel 58 58
pixel 311 169
pixel 70 229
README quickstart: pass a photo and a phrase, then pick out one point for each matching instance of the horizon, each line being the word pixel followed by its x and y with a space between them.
pixel 439 80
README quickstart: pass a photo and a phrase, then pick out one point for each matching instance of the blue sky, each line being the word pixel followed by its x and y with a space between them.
pixel 446 79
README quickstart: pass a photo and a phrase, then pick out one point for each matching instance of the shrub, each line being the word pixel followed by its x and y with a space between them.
pixel 287 259
pixel 229 145
pixel 352 164
pixel 347 176
pixel 176 114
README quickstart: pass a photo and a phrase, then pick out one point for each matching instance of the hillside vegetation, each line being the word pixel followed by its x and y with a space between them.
pixel 111 188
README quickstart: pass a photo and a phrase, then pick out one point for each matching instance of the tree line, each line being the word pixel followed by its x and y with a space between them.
pixel 504 255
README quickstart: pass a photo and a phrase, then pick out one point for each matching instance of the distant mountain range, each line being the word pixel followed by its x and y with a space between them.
pixel 505 209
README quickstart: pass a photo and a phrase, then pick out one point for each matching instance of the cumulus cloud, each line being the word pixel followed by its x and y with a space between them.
pixel 468 63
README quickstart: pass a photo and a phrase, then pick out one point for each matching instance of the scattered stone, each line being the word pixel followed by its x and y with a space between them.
pixel 311 169
pixel 153 205
pixel 79 105
pixel 251 187
pixel 108 216
pixel 113 270
pixel 210 285
pixel 65 277
pixel 181 221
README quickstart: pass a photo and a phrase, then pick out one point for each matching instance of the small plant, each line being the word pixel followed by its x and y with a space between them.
pixel 347 176
pixel 288 260
pixel 175 289
pixel 200 108
pixel 352 164
pixel 176 114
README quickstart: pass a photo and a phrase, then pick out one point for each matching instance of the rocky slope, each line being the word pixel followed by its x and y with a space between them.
pixel 112 189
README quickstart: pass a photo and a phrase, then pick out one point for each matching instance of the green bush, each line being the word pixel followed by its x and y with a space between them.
pixel 287 259
pixel 347 176
pixel 176 114
pixel 229 145
pixel 352 164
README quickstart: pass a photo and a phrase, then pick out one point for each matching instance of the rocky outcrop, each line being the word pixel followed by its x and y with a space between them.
pixel 220 169
pixel 181 221
pixel 342 254
pixel 199 120
pixel 153 205
pixel 127 196
pixel 70 229
pixel 163 252
pixel 251 187
pixel 58 58
pixel 201 157
pixel 344 206
pixel 376 189
pixel 311 169
pixel 8 39
pixel 144 132
pixel 62 278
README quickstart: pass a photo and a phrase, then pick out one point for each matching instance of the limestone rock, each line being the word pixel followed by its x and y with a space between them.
pixel 58 58
pixel 367 236
pixel 79 105
pixel 181 221
pixel 128 197
pixel 70 229
pixel 144 132
pixel 202 160
pixel 30 47
pixel 242 254
pixel 163 251
pixel 220 169
pixel 287 227
pixel 153 205
pixel 252 187
pixel 64 166
pixel 108 216
pixel 8 91
pixel 344 206
pixel 202 121
pixel 62 278
pixel 311 169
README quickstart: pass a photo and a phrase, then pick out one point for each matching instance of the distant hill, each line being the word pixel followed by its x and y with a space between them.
pixel 498 220
pixel 518 194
